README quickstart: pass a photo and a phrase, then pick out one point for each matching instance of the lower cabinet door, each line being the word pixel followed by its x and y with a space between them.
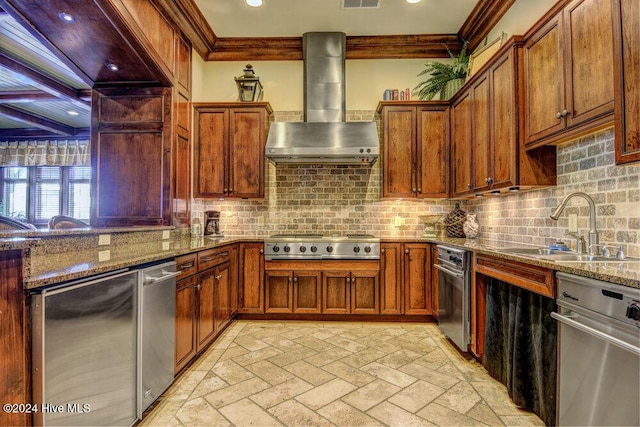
pixel 417 278
pixel 185 347
pixel 364 292
pixel 307 288
pixel 278 292
pixel 335 292
pixel 222 295
pixel 206 327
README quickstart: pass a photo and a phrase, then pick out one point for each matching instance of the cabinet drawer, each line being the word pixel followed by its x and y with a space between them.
pixel 186 265
pixel 533 278
pixel 213 257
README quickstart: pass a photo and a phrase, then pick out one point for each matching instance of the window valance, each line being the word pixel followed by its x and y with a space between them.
pixel 72 152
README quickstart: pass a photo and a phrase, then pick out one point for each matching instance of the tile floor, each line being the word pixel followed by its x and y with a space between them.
pixel 265 373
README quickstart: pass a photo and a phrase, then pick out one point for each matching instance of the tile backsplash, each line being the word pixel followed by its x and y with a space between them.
pixel 337 200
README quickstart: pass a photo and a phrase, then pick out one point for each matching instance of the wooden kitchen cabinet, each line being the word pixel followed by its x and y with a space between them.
pixel 391 278
pixel 417 278
pixel 415 149
pixel 204 300
pixel 251 278
pixel 568 69
pixel 626 61
pixel 351 292
pixel 462 137
pixel 295 291
pixel 229 149
pixel 365 298
pixel 488 152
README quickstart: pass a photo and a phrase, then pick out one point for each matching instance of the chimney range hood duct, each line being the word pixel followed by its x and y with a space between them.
pixel 324 136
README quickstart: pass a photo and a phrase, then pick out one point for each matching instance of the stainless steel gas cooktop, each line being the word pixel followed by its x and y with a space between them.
pixel 317 246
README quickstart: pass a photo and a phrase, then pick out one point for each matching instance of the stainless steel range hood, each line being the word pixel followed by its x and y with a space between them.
pixel 324 136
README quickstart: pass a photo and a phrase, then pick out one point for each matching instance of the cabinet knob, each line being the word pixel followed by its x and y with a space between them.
pixel 261 251
pixel 295 279
pixel 419 190
pixel 382 251
pixel 231 190
pixel 565 113
pixel 413 190
pixel 218 277
pixel 406 251
pixel 558 115
pixel 226 190
pixel 197 287
pixel 488 180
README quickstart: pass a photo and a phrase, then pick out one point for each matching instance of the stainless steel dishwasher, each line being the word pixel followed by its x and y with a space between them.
pixel 454 293
pixel 156 331
pixel 84 338
pixel 599 352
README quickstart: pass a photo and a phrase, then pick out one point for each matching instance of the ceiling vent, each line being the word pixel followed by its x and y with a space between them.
pixel 360 4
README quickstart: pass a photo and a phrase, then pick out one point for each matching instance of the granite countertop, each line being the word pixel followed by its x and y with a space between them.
pixel 71 265
pixel 48 269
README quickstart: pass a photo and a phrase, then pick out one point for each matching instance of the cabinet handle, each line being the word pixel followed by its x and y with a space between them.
pixel 197 287
pixel 186 265
pixel 289 279
pixel 406 251
pixel 212 257
pixel 419 190
pixel 226 190
pixel 469 186
pixel 261 251
pixel 382 251
pixel 558 115
pixel 413 190
pixel 488 180
pixel 565 113
pixel 295 279
pixel 218 277
pixel 231 190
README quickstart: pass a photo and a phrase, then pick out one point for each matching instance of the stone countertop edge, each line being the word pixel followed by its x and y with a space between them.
pixel 10 234
pixel 628 275
pixel 82 270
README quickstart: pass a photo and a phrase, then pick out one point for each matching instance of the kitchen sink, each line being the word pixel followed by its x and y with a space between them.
pixel 562 256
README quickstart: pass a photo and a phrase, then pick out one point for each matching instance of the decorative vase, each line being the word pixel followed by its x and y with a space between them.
pixel 471 227
pixel 451 88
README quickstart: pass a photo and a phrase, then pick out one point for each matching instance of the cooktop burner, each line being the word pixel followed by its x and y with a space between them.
pixel 317 246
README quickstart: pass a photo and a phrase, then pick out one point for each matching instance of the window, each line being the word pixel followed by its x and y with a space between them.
pixel 35 194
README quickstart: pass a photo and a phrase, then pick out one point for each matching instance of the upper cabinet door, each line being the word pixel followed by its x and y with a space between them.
pixel 626 57
pixel 399 124
pixel 461 137
pixel 544 80
pixel 589 68
pixel 433 151
pixel 211 152
pixel 481 139
pixel 246 157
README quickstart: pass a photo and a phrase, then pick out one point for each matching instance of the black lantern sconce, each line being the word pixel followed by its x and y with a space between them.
pixel 249 86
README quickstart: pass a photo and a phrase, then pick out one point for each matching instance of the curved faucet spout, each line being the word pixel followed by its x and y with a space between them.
pixel 593 232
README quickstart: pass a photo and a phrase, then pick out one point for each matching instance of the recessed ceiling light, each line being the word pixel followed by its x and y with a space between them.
pixel 112 67
pixel 254 3
pixel 72 113
pixel 67 17
pixel 413 1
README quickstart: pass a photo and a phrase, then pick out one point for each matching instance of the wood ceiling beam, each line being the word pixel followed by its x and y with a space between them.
pixel 25 96
pixel 357 47
pixel 43 82
pixel 36 120
pixel 484 17
pixel 35 133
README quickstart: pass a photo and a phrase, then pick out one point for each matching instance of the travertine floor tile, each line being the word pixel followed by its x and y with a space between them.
pixel 416 396
pixel 342 414
pixel 326 393
pixel 293 413
pixel 246 413
pixel 309 373
pixel 439 415
pixel 335 373
pixel 371 394
pixel 393 415
pixel 283 391
pixel 199 412
pixel 389 374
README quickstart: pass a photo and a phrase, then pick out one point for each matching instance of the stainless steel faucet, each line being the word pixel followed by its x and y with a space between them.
pixel 593 232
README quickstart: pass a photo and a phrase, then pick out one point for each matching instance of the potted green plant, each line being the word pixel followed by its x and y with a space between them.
pixel 444 79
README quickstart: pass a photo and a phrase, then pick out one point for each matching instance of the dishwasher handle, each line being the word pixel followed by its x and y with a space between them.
pixel 150 279
pixel 596 333
pixel 457 274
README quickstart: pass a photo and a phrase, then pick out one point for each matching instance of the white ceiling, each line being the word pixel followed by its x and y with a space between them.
pixel 292 18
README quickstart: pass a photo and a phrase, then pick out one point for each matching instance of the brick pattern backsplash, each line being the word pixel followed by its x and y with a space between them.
pixel 338 200
pixel 588 165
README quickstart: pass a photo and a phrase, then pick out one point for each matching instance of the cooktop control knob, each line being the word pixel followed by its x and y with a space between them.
pixel 276 248
pixel 633 311
pixel 329 249
pixel 303 249
pixel 356 249
pixel 367 249
pixel 287 249
pixel 314 249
